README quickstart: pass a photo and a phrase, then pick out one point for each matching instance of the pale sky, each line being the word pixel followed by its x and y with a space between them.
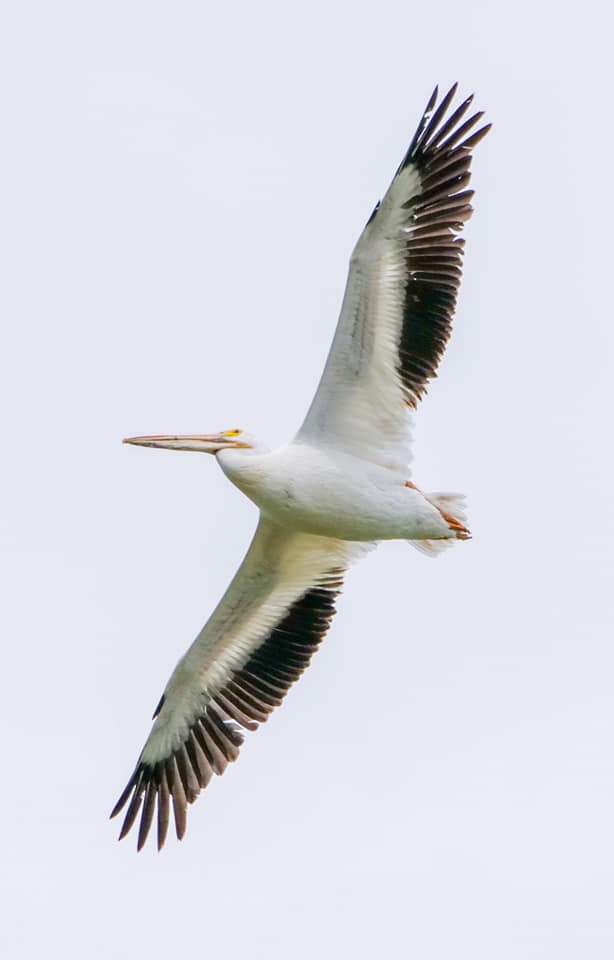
pixel 183 184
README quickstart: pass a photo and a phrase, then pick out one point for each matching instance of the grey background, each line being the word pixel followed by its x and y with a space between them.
pixel 183 184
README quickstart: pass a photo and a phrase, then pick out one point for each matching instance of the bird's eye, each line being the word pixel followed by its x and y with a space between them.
pixel 231 433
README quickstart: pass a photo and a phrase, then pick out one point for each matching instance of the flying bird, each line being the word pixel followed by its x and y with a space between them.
pixel 341 486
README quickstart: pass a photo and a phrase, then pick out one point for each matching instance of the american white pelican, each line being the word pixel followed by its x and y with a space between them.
pixel 331 494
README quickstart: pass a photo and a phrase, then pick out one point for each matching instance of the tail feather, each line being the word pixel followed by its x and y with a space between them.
pixel 432 548
pixel 453 508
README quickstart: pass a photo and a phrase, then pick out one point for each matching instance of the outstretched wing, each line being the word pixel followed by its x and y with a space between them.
pixel 400 297
pixel 257 642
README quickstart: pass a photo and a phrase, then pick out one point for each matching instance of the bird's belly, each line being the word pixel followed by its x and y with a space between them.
pixel 349 504
pixel 340 519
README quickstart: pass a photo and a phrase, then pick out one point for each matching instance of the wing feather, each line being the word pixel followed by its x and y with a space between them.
pixel 401 294
pixel 257 643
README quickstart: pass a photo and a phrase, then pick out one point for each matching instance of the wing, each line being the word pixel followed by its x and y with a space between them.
pixel 400 296
pixel 256 644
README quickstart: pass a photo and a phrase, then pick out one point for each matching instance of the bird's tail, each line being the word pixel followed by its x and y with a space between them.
pixel 452 507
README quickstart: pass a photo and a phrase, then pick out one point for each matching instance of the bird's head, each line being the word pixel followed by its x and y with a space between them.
pixel 205 443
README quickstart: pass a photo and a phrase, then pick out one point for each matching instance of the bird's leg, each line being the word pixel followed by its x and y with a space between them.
pixel 461 531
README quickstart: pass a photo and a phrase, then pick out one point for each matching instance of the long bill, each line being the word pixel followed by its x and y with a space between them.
pixel 204 443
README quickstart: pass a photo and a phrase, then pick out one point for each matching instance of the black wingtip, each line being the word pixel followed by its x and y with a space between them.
pixel 448 97
pixel 131 815
pixel 434 128
pixel 149 803
pixel 432 100
pixel 159 707
pixel 123 800
pixel 418 135
pixel 475 138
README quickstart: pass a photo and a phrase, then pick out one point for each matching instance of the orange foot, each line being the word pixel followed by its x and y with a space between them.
pixel 462 533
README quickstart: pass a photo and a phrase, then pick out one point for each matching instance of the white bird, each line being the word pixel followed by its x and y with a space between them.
pixel 331 494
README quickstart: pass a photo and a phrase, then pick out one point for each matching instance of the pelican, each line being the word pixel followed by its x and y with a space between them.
pixel 331 494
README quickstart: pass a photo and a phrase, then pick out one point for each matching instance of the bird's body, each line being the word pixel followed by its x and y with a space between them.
pixel 331 493
pixel 341 486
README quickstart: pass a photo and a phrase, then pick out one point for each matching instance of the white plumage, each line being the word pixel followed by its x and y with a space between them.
pixel 341 486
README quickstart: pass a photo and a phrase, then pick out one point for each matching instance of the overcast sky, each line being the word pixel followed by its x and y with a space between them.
pixel 183 184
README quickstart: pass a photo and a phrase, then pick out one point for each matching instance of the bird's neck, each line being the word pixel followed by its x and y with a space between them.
pixel 243 467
